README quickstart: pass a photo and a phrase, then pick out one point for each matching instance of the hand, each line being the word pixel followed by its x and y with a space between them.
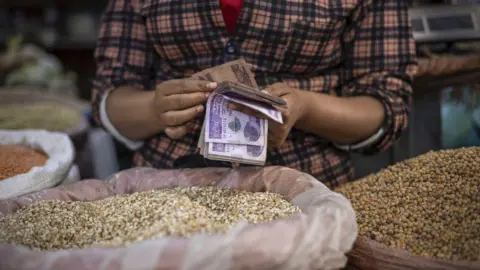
pixel 177 102
pixel 277 133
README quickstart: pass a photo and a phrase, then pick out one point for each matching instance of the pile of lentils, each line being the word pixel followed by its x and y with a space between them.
pixel 428 205
pixel 120 220
pixel 18 159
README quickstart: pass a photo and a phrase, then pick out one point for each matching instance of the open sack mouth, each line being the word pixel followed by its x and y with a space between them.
pixel 212 218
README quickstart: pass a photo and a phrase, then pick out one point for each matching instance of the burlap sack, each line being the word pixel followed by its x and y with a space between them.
pixel 316 239
pixel 370 255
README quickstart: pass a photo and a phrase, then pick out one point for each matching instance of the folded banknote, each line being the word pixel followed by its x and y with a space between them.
pixel 230 135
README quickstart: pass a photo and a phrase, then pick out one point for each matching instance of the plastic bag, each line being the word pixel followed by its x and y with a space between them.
pixel 60 152
pixel 72 176
pixel 318 238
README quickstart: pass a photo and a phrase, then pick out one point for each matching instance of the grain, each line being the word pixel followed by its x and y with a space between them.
pixel 120 220
pixel 48 116
pixel 428 205
pixel 17 159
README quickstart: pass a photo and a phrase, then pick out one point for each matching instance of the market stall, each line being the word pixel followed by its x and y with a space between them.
pixel 420 213
pixel 37 92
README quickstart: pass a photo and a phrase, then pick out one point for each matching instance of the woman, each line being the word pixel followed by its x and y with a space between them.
pixel 344 67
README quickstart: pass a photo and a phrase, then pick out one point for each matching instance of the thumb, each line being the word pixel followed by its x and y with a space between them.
pixel 279 89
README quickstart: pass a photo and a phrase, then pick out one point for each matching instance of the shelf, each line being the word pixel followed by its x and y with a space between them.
pixel 427 84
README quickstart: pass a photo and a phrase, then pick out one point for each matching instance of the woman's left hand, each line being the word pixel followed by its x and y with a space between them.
pixel 295 109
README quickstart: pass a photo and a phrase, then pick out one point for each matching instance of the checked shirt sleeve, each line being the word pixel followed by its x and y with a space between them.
pixel 380 62
pixel 124 57
pixel 123 54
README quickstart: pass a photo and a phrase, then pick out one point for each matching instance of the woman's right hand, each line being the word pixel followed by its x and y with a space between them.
pixel 177 102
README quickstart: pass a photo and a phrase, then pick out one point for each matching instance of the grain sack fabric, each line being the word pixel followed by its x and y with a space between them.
pixel 317 238
pixel 60 151
pixel 370 255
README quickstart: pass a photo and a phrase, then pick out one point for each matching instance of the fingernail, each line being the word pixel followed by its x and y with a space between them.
pixel 200 108
pixel 212 85
pixel 207 95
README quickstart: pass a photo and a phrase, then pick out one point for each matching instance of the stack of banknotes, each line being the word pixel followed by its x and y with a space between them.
pixel 229 135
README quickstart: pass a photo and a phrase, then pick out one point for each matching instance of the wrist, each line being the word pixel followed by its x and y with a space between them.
pixel 132 112
pixel 315 109
pixel 147 110
pixel 305 106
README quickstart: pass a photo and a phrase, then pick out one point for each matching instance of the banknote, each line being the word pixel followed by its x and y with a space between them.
pixel 224 125
pixel 235 71
pixel 239 71
pixel 267 110
pixel 248 154
pixel 229 135
pixel 201 140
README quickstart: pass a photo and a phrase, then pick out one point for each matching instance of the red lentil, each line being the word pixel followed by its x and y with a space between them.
pixel 17 159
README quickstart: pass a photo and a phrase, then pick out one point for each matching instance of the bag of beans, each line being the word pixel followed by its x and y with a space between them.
pixel 180 219
pixel 31 160
pixel 422 213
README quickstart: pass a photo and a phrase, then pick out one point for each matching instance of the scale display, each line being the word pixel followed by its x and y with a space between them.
pixel 445 23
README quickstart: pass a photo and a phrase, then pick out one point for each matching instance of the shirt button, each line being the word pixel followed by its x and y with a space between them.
pixel 230 48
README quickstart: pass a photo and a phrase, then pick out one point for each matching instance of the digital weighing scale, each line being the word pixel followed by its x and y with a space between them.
pixel 445 23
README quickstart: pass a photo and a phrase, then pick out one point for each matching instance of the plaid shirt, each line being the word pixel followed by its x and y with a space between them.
pixel 344 47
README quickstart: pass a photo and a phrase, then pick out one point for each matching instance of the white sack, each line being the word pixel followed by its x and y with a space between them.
pixel 60 153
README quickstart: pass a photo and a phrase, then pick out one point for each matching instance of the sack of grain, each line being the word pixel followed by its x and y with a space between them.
pixel 60 152
pixel 315 238
pixel 422 213
pixel 28 108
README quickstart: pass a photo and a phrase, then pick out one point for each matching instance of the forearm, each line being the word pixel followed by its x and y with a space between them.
pixel 131 112
pixel 342 120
